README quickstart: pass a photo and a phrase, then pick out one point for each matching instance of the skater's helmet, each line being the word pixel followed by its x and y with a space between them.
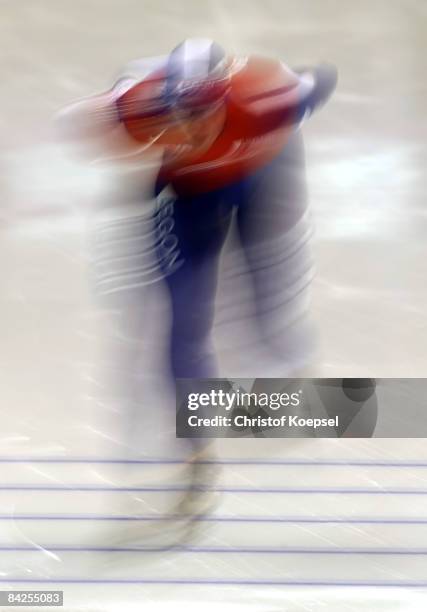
pixel 197 75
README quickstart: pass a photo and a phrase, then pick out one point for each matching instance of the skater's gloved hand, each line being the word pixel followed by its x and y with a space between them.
pixel 324 79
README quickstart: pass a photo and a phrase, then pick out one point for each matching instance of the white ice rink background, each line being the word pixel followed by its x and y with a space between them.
pixel 300 524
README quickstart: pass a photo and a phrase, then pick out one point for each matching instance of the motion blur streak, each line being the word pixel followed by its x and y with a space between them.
pixel 85 315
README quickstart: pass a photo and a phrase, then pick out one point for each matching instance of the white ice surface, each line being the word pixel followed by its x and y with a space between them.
pixel 63 352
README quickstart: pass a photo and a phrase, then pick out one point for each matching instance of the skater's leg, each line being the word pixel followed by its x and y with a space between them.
pixel 274 231
pixel 197 227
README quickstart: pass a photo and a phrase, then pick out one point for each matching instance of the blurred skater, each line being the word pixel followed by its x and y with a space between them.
pixel 228 130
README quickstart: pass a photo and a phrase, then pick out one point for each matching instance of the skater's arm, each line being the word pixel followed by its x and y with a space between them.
pixel 288 106
pixel 325 78
pixel 95 121
pixel 96 126
pixel 97 115
pixel 91 117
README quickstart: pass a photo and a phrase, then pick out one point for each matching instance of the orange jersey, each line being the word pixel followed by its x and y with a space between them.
pixel 261 106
